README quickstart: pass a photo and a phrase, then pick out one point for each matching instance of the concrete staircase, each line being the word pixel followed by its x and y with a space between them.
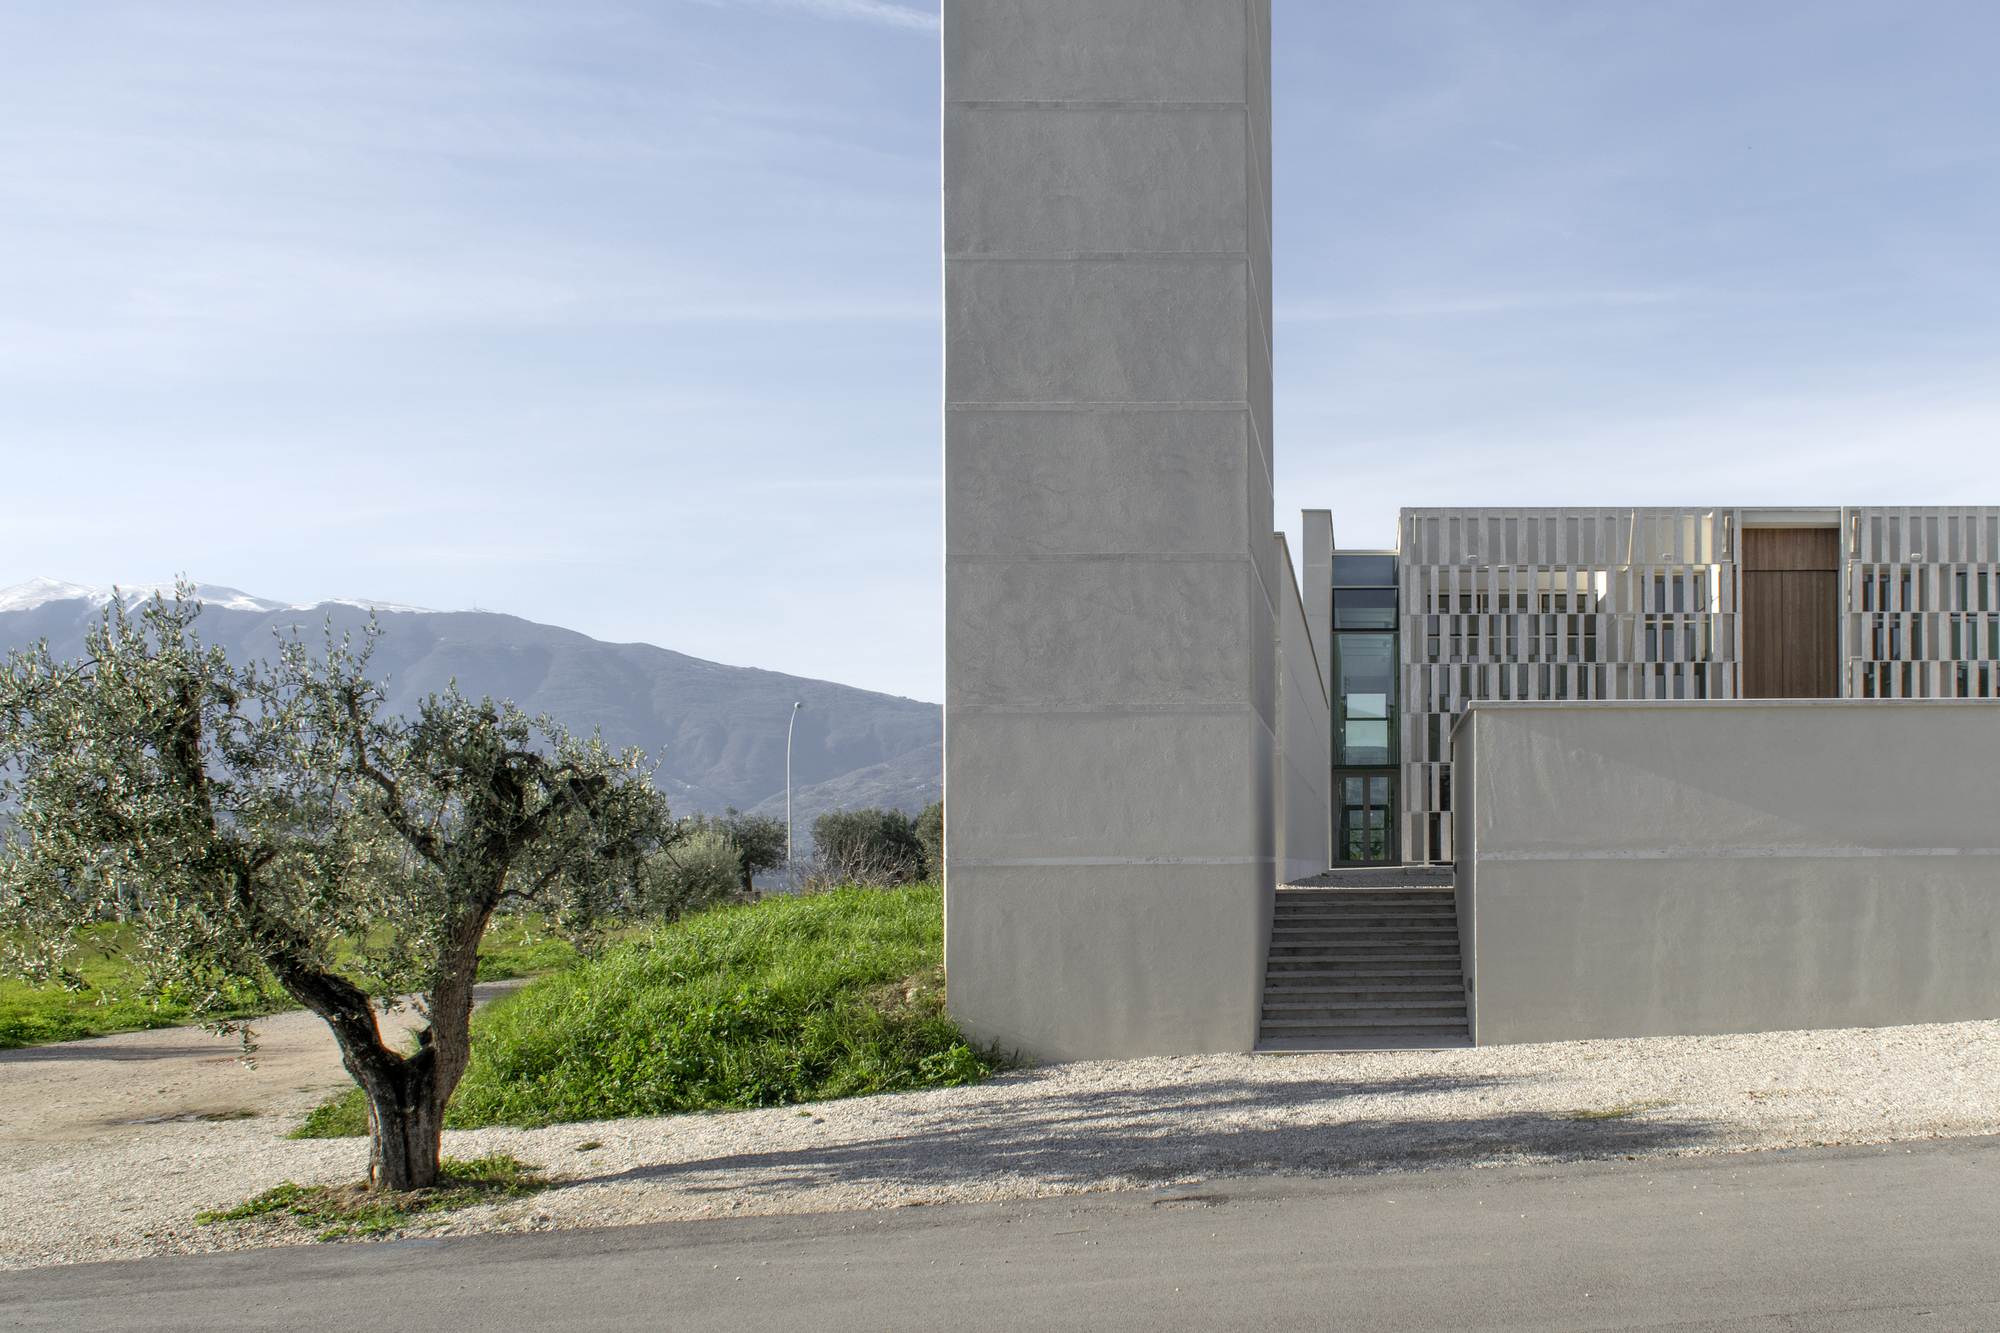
pixel 1364 969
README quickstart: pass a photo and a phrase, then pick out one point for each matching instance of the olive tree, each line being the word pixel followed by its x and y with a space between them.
pixel 267 820
pixel 699 870
pixel 759 839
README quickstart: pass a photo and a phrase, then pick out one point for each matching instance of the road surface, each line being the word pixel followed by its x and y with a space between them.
pixel 1881 1238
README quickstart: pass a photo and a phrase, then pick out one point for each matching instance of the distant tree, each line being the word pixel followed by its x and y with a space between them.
pixel 868 846
pixel 759 839
pixel 266 822
pixel 700 869
pixel 930 832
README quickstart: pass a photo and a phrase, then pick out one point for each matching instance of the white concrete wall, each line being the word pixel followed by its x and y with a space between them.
pixel 1635 869
pixel 1304 759
pixel 1110 582
pixel 1316 578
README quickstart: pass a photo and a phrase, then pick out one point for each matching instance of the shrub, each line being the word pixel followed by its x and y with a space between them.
pixel 697 870
pixel 930 834
pixel 875 847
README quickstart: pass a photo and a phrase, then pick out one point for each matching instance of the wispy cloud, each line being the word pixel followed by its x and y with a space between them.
pixel 865 11
pixel 1494 303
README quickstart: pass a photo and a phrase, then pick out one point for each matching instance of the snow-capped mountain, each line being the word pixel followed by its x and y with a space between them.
pixel 39 592
pixel 718 731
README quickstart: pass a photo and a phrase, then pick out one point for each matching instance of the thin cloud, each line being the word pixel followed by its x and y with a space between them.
pixel 865 11
pixel 1485 304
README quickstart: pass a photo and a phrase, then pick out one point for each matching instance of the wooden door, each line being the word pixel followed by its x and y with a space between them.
pixel 1790 613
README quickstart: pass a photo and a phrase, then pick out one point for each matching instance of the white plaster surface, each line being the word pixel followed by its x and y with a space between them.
pixel 1631 869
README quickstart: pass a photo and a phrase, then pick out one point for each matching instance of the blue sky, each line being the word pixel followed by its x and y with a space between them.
pixel 624 316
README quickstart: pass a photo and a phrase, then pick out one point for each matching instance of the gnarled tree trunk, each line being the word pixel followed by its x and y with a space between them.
pixel 405 1119
pixel 406 1094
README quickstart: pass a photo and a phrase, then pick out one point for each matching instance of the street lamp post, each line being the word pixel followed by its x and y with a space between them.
pixel 791 880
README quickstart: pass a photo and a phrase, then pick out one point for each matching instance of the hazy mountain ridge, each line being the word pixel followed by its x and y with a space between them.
pixel 718 731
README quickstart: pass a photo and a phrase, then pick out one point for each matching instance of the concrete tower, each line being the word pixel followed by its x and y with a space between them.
pixel 1111 580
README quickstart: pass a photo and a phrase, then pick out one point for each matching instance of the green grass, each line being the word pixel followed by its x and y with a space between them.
pixel 341 1116
pixel 519 946
pixel 340 1211
pixel 107 1003
pixel 783 1001
pixel 515 946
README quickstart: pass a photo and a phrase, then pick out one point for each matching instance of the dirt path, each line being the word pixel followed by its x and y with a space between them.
pixel 119 1086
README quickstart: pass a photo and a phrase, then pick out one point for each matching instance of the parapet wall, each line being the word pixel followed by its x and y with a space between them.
pixel 1641 869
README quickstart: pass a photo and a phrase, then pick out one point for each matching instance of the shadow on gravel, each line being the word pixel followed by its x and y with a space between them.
pixel 1087 1137
pixel 109 1048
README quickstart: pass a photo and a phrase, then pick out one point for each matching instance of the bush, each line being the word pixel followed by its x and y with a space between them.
pixel 698 870
pixel 759 840
pixel 930 833
pixel 876 847
pixel 783 1001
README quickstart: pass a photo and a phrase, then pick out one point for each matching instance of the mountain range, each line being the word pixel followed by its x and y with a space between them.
pixel 717 731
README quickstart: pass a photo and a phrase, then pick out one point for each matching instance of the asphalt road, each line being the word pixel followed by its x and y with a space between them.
pixel 1827 1240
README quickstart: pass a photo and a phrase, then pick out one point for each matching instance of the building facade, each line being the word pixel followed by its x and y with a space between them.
pixel 1707 603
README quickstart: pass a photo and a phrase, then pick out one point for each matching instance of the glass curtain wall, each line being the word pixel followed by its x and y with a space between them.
pixel 1364 705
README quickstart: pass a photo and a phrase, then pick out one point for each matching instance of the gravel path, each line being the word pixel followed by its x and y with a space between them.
pixel 130 1190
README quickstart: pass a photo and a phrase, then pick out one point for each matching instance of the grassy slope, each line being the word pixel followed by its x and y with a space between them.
pixel 31 1015
pixel 787 1000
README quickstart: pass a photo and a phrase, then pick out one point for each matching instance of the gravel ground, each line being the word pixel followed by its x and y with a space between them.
pixel 129 1190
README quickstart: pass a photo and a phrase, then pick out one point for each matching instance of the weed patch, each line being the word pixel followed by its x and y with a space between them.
pixel 341 1116
pixel 341 1212
pixel 1616 1112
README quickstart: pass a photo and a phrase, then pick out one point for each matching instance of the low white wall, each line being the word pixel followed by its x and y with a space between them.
pixel 1304 738
pixel 1640 869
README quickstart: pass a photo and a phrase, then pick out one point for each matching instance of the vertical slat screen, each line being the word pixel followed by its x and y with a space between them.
pixel 1556 603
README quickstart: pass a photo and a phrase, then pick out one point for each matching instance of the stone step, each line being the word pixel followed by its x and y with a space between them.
pixel 1361 915
pixel 1361 953
pixel 1440 958
pixel 1385 988
pixel 1307 983
pixel 1379 935
pixel 1374 916
pixel 1363 1013
pixel 1379 965
pixel 1309 987
pixel 1347 911
pixel 1363 897
pixel 1364 969
pixel 1353 1045
pixel 1378 940
pixel 1285 931
pixel 1385 1027
pixel 1442 916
